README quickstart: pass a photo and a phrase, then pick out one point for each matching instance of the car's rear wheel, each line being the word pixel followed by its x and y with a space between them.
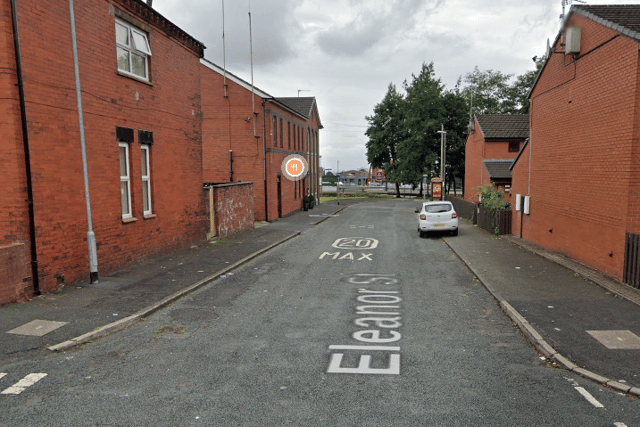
pixel 454 232
pixel 422 234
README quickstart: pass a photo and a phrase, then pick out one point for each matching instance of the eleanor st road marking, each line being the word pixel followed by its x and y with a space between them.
pixel 380 315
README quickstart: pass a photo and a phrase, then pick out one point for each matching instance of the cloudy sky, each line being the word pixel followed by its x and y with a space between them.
pixel 346 52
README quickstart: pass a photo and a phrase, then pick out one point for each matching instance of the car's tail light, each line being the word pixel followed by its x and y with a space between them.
pixel 423 217
pixel 454 215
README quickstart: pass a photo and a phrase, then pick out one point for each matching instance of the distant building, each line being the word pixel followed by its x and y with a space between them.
pixel 491 146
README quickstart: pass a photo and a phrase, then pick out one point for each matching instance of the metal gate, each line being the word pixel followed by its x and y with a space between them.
pixel 632 260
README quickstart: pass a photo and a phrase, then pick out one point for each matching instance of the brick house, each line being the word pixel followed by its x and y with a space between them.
pixel 492 144
pixel 140 83
pixel 580 170
pixel 248 133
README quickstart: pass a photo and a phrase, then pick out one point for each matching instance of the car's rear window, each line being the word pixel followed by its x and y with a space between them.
pixel 445 207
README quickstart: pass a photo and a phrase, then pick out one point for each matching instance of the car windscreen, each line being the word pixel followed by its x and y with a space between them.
pixel 445 207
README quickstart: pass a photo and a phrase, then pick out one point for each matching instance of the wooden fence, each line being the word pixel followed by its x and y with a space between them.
pixel 464 208
pixel 497 222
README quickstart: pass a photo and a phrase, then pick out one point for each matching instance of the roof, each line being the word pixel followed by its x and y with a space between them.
pixel 498 168
pixel 519 154
pixel 150 15
pixel 303 105
pixel 503 126
pixel 283 102
pixel 624 18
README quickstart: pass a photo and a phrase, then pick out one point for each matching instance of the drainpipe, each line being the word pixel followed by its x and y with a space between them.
pixel 264 162
pixel 91 237
pixel 27 156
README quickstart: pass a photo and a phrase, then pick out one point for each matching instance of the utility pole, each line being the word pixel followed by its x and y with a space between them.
pixel 443 155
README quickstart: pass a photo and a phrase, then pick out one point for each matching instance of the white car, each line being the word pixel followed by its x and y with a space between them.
pixel 437 216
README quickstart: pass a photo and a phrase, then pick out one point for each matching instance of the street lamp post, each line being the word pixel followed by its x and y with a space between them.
pixel 443 155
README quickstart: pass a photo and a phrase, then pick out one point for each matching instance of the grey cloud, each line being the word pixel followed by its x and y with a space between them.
pixel 273 29
pixel 369 28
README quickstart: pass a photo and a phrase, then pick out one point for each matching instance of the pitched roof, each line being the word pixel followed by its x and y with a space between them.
pixel 624 18
pixel 498 168
pixel 303 105
pixel 501 126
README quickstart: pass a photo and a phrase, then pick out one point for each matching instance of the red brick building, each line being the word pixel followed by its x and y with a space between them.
pixel 248 133
pixel 140 82
pixel 580 170
pixel 492 144
pixel 157 123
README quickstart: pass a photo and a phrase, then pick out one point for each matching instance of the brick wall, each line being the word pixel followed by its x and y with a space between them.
pixel 477 149
pixel 231 208
pixel 15 271
pixel 228 125
pixel 168 106
pixel 519 185
pixel 584 150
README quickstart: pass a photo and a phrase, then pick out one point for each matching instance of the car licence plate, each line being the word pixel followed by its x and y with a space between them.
pixel 438 225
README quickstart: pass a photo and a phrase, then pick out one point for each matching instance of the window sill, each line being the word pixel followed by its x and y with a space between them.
pixel 128 220
pixel 134 77
pixel 150 216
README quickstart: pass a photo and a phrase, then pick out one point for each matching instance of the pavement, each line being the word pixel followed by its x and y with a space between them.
pixel 576 317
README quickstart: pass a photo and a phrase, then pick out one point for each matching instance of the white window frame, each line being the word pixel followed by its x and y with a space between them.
pixel 137 45
pixel 146 179
pixel 125 179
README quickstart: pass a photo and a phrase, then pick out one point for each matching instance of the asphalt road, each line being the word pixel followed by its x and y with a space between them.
pixel 356 322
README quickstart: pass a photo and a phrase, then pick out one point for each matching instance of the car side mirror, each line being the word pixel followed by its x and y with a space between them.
pixel 417 210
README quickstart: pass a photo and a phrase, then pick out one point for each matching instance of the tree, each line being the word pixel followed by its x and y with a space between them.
pixel 491 92
pixel 456 123
pixel 424 117
pixel 518 92
pixel 385 133
pixel 487 91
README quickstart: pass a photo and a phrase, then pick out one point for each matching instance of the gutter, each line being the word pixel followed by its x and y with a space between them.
pixel 27 156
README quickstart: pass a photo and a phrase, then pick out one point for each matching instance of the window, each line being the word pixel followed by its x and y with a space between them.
pixel 125 181
pixel 281 135
pixel 289 135
pixel 133 50
pixel 275 131
pixel 146 181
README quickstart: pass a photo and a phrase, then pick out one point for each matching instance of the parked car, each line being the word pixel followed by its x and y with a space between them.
pixel 437 216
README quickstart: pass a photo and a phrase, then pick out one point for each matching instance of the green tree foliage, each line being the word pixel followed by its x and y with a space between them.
pixel 490 197
pixel 491 92
pixel 486 90
pixel 424 117
pixel 385 133
pixel 456 123
pixel 403 130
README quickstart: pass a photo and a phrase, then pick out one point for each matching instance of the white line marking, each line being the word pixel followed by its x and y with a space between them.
pixel 23 384
pixel 589 397
pixel 619 424
pixel 364 347
pixel 2 374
